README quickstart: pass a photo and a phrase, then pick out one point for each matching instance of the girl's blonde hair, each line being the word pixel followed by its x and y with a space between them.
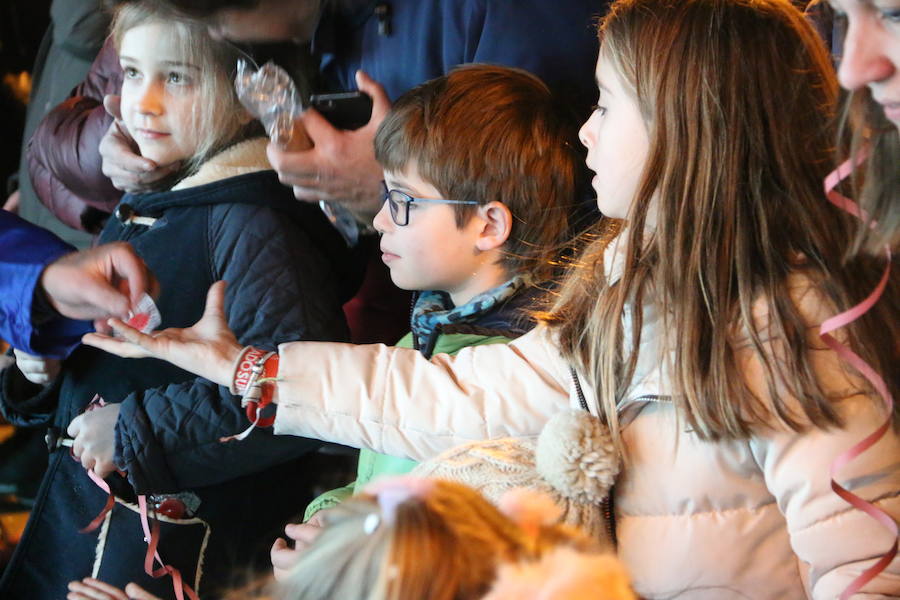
pixel 738 97
pixel 445 544
pixel 218 114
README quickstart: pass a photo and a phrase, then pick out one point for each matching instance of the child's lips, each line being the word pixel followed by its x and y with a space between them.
pixel 387 256
pixel 151 134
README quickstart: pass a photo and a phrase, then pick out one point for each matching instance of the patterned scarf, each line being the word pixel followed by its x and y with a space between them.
pixel 435 308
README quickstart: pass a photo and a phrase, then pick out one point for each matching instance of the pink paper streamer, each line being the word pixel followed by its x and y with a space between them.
pixel 836 322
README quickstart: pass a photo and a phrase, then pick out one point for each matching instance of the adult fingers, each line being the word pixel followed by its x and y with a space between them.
pixel 310 194
pixel 381 104
pixel 291 165
pixel 119 158
pixel 128 266
pixel 318 128
pixel 98 298
pixel 112 103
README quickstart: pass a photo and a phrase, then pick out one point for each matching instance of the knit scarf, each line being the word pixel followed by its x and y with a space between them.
pixel 433 309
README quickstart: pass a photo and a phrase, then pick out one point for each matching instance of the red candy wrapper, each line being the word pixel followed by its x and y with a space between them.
pixel 146 317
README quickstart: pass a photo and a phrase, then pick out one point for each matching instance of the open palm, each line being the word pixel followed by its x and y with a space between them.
pixel 208 348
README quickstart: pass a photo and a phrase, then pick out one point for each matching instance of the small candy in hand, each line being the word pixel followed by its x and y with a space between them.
pixel 146 317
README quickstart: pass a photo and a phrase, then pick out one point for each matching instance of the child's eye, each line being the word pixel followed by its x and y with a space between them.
pixel 891 16
pixel 177 78
pixel 598 109
pixel 130 72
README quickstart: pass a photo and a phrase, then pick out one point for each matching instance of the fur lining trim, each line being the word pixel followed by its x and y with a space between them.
pixel 244 157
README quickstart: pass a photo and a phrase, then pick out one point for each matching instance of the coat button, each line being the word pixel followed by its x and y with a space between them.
pixel 172 508
pixel 124 213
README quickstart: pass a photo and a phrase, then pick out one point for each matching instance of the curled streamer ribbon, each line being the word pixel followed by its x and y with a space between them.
pixel 152 538
pixel 850 357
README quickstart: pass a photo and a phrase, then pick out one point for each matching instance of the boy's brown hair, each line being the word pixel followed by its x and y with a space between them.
pixel 485 133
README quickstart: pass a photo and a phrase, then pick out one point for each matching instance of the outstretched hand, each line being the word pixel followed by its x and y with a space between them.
pixel 341 166
pixel 208 348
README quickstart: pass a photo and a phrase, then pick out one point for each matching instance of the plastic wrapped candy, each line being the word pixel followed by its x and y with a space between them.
pixel 270 95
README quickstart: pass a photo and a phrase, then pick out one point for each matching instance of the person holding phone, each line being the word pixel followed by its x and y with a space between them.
pixel 399 44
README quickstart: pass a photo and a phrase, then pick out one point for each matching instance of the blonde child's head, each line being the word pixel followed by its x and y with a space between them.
pixel 412 538
pixel 178 100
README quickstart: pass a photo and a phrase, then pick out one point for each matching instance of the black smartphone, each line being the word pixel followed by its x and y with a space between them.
pixel 344 110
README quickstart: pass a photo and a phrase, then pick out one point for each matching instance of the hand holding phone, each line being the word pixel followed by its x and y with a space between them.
pixel 344 110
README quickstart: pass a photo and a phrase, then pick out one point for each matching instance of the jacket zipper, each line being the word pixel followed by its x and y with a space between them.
pixel 578 389
pixel 606 504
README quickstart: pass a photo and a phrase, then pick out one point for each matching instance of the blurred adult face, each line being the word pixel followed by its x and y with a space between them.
pixel 268 21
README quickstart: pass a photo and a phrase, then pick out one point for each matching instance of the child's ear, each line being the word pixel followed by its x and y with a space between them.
pixel 497 220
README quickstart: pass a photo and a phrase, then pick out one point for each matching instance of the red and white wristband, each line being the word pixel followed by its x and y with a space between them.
pixel 254 373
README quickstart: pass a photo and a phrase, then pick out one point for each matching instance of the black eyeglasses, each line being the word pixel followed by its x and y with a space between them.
pixel 399 203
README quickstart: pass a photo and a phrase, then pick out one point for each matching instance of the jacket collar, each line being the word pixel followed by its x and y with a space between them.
pixel 244 157
pixel 243 164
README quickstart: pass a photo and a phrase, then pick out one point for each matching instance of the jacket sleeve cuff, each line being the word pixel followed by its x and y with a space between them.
pixel 139 455
pixel 24 403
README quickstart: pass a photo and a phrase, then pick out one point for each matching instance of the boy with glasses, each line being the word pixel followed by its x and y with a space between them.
pixel 480 173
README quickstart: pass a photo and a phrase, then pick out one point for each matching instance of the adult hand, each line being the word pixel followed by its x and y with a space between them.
pixel 285 558
pixel 97 283
pixel 94 589
pixel 122 162
pixel 41 371
pixel 94 436
pixel 207 349
pixel 341 166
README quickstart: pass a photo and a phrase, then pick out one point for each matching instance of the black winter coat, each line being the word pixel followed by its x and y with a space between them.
pixel 286 270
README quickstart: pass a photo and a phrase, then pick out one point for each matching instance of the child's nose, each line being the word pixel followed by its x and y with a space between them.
pixel 584 135
pixel 383 221
pixel 863 61
pixel 150 100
